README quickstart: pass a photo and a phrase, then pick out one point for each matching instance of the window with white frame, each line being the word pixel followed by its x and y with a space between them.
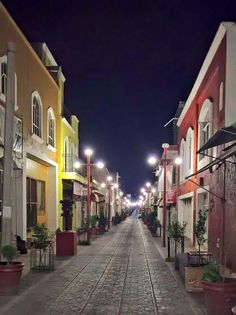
pixel 18 141
pixel 51 127
pixel 72 150
pixel 36 115
pixel 189 152
pixel 3 77
pixel 205 130
pixel 221 96
pixel 182 155
pixel 2 123
pixel 66 154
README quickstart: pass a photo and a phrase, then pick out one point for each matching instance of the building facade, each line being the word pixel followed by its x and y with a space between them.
pixel 206 178
pixel 35 197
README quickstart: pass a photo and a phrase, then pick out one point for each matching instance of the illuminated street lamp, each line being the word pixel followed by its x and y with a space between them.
pixel 152 160
pixel 88 153
pixel 165 146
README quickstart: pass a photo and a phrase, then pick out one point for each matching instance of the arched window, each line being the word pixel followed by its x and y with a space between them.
pixel 36 114
pixel 51 126
pixel 182 155
pixel 72 153
pixel 66 154
pixel 3 77
pixel 189 151
pixel 221 96
pixel 205 130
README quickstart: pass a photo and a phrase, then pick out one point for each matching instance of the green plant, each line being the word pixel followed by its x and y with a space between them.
pixel 102 220
pixel 176 231
pixel 94 219
pixel 41 232
pixel 9 252
pixel 212 273
pixel 200 229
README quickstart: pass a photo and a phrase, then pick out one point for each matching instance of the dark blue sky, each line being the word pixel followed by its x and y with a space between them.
pixel 127 64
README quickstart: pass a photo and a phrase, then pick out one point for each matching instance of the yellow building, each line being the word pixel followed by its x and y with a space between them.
pixel 70 182
pixel 35 195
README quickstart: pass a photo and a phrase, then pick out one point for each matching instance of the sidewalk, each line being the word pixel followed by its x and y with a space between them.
pixel 196 300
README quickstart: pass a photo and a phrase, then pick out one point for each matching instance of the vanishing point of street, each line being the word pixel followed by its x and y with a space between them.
pixel 120 273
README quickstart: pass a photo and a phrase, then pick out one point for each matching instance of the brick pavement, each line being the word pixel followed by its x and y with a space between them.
pixel 120 273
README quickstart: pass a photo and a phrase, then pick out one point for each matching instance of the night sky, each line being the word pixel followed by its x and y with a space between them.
pixel 127 65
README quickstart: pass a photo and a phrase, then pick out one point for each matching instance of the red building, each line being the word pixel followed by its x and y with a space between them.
pixel 208 179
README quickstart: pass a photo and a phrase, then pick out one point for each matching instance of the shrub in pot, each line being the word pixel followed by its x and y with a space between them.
pixel 219 292
pixel 10 271
pixel 176 232
pixel 93 229
pixel 199 230
pixel 102 222
pixel 42 236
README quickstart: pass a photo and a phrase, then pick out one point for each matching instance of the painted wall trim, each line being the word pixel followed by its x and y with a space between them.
pixel 224 26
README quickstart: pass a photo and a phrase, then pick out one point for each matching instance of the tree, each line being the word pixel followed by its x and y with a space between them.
pixel 200 229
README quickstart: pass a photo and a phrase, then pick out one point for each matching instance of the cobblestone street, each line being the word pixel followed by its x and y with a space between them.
pixel 122 272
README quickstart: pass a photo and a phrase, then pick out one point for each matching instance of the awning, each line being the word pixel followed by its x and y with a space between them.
pixel 228 152
pixel 222 136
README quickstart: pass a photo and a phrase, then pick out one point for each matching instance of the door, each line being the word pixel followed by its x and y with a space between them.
pixel 31 202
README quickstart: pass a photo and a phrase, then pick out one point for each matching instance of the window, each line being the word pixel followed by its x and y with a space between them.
pixel 36 115
pixel 182 155
pixel 189 151
pixel 3 77
pixel 72 159
pixel 35 200
pixel 205 130
pixel 51 128
pixel 66 155
pixel 221 96
pixel 18 140
pixel 2 123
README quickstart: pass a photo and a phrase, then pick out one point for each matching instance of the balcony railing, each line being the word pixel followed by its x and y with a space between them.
pixel 69 161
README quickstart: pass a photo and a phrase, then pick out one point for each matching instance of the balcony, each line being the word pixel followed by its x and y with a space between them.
pixel 68 162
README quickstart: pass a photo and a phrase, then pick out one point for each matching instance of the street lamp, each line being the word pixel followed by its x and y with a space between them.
pixel 88 153
pixel 165 146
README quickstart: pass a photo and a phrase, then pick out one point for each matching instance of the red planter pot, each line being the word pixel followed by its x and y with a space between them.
pixel 10 277
pixel 219 297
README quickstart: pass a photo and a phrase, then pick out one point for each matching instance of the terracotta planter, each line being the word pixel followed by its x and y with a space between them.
pixel 219 297
pixel 10 277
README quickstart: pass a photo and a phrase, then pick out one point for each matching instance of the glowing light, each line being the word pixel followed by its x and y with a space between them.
pixel 142 190
pixel 116 185
pixel 109 178
pixel 121 193
pixel 100 164
pixel 148 184
pixel 152 160
pixel 178 160
pixel 77 164
pixel 88 152
pixel 153 190
pixel 103 185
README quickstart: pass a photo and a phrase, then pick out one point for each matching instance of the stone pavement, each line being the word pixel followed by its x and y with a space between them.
pixel 122 272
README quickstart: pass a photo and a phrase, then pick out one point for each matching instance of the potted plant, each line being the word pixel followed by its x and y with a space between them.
pixel 196 260
pixel 219 290
pixel 93 229
pixel 10 271
pixel 199 231
pixel 102 222
pixel 176 232
pixel 41 233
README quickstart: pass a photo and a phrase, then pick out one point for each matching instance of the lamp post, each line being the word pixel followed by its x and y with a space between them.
pixel 88 153
pixel 165 146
